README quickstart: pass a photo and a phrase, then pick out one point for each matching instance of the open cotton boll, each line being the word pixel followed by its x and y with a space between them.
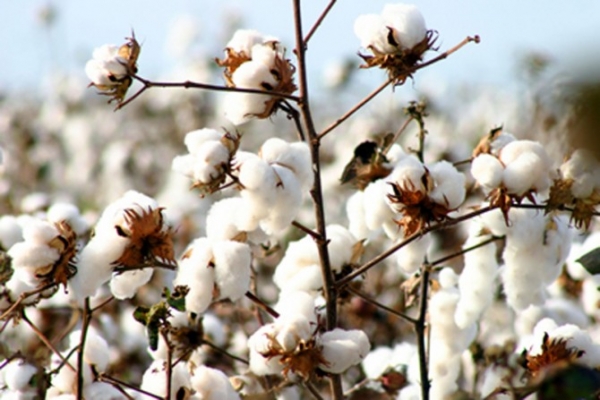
pixel 243 40
pixel 259 343
pixel 377 211
pixel 449 189
pixel 264 54
pixel 341 246
pixel 370 29
pixel 96 349
pixel 125 285
pixel 294 156
pixel 239 108
pixel 410 257
pixel 255 75
pixel 17 374
pixel 27 257
pixel 101 391
pixel 37 231
pixel 343 349
pixel 290 330
pixel 301 259
pixel 155 379
pixel 196 272
pixel 377 362
pixel 527 166
pixel 195 140
pixel 355 211
pixel 407 24
pixel 209 160
pixel 67 212
pixel 212 384
pixel 581 168
pixel 500 141
pixel 297 302
pixel 288 200
pixel 408 174
pixel 232 269
pixel 65 380
pixel 487 171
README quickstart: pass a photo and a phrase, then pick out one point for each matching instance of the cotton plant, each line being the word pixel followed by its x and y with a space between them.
pixel 131 235
pixel 254 61
pixel 397 39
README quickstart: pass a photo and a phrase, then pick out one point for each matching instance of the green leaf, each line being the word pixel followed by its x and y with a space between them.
pixel 152 332
pixel 591 261
pixel 177 299
pixel 141 315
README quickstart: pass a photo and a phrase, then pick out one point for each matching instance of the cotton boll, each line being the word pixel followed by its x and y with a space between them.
pixel 125 285
pixel 290 330
pixel 355 211
pixel 258 344
pixel 232 269
pixel 408 174
pixel 212 384
pixel 301 259
pixel 239 108
pixel 527 166
pixel 410 392
pixel 243 40
pixel 96 349
pixel 67 212
pixel 407 23
pixel 222 221
pixel 17 374
pixel 155 381
pixel 449 187
pixel 39 232
pixel 102 391
pixel 377 362
pixel 282 212
pixel 294 156
pixel 341 244
pixel 377 211
pixel 66 378
pixel 487 171
pixel 411 256
pixel 195 271
pixel 209 161
pixel 370 29
pixel 448 278
pixel 297 302
pixel 343 349
pixel 195 140
pixel 214 329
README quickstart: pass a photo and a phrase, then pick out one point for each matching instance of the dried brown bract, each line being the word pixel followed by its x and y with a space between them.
pixel 150 240
pixel 554 351
pixel 64 268
pixel 302 360
pixel 399 65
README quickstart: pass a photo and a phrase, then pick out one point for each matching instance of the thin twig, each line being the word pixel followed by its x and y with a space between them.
pixel 374 261
pixel 65 361
pixel 306 230
pixel 109 379
pixel 86 316
pixel 169 363
pixel 329 289
pixel 378 304
pixel 151 264
pixel 397 134
pixel 319 21
pixel 147 84
pixel 25 295
pixel 99 306
pixel 462 162
pixel 420 331
pixel 45 340
pixel 294 115
pixel 543 207
pixel 465 250
pixel 262 304
pixel 224 352
pixel 375 92
pixel 313 390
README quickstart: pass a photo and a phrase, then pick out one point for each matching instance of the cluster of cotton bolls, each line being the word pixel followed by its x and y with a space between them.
pixel 254 61
pixel 209 158
pixel 519 166
pixel 294 345
pixel 421 193
pixel 121 238
pixel 399 28
pixel 537 246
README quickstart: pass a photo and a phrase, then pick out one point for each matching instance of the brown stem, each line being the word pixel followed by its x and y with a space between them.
pixel 543 207
pixel 262 305
pixel 420 331
pixel 397 134
pixel 23 296
pixel 375 92
pixel 378 304
pixel 99 306
pixel 169 364
pixel 462 162
pixel 306 230
pixel 87 317
pixel 294 115
pixel 329 289
pixel 147 84
pixel 313 390
pixel 465 250
pixel 374 261
pixel 319 21
pixel 151 264
pixel 45 340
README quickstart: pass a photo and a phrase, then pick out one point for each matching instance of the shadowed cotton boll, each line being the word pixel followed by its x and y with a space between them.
pixel 155 381
pixel 212 384
pixel 343 349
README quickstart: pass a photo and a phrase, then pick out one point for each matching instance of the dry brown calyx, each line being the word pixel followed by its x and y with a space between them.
pixel 64 268
pixel 554 351
pixel 303 360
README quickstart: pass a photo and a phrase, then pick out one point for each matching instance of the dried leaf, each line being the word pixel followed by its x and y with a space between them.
pixel 591 261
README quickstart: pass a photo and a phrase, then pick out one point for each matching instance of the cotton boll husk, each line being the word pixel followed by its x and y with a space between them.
pixel 125 285
pixel 155 382
pixel 102 391
pixel 411 256
pixel 449 187
pixel 258 344
pixel 10 231
pixel 295 156
pixel 212 384
pixel 195 272
pixel 232 269
pixel 290 330
pixel 487 171
pixel 343 349
pixel 407 22
pixel 377 362
pixel 408 174
pixel 341 243
pixel 244 39
pixel 297 302
pixel 17 374
pixel 195 140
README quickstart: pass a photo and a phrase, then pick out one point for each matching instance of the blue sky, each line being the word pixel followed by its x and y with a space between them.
pixel 563 30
